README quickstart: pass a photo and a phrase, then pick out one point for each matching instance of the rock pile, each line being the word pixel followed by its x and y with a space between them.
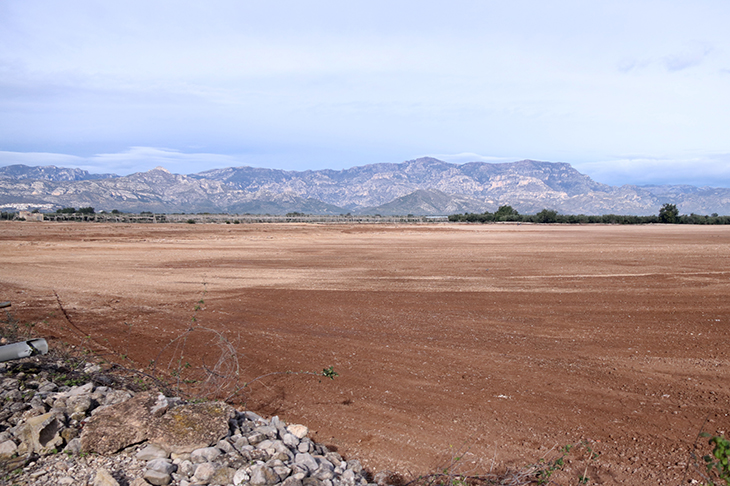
pixel 87 434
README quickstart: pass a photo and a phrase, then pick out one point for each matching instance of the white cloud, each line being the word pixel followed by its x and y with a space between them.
pixel 465 157
pixel 333 84
pixel 691 57
pixel 700 170
pixel 135 159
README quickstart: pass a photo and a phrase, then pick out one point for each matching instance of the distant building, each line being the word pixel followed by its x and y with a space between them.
pixel 29 216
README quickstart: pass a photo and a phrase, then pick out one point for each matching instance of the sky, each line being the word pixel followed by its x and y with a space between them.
pixel 628 92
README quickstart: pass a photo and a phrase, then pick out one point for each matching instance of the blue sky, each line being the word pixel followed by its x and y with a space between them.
pixel 625 91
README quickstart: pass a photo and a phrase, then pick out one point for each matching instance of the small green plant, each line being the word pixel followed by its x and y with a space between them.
pixel 718 462
pixel 330 373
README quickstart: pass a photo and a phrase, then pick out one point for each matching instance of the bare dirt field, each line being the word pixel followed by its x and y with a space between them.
pixel 505 340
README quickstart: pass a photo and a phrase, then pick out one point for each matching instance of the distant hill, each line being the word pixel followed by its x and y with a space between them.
pixel 424 186
pixel 50 173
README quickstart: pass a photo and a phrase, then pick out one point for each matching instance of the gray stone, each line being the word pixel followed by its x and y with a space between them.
pixel 77 406
pixel 262 476
pixel 120 425
pixel 325 471
pixel 80 390
pixel 41 434
pixel 291 440
pixel 255 455
pixel 268 431
pixel 151 451
pixel 161 406
pixel 205 471
pixel 117 396
pixel 183 456
pixel 334 458
pixel 265 445
pixel 312 482
pixel 292 481
pixel 69 434
pixel 188 427
pixel 92 368
pixel 225 446
pixel 240 477
pixel 48 388
pixel 348 478
pixel 240 443
pixel 205 454
pixel 162 465
pixel 283 456
pixel 37 403
pixel 252 416
pixel 7 449
pixel 73 447
pixel 305 445
pixel 299 470
pixel 355 465
pixel 186 468
pixel 19 407
pixel 103 478
pixel 255 438
pixel 306 460
pixel 158 478
pixel 282 471
pixel 224 475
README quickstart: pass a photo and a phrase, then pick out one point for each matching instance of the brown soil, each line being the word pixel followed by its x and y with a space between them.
pixel 501 340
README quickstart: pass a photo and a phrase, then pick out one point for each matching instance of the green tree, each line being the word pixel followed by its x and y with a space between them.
pixel 505 213
pixel 547 216
pixel 668 213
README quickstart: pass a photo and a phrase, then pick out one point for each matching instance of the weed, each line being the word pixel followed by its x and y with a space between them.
pixel 12 330
pixel 719 461
pixel 714 469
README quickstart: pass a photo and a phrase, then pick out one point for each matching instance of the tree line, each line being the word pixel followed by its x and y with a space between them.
pixel 668 214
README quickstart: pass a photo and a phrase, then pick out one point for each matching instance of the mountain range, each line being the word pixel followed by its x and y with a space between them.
pixel 424 186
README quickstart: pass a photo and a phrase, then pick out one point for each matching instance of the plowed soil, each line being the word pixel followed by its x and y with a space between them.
pixel 494 343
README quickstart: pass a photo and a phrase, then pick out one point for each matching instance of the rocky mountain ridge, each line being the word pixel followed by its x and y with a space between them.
pixel 424 186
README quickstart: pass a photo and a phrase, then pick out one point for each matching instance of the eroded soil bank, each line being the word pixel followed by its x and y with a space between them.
pixel 504 340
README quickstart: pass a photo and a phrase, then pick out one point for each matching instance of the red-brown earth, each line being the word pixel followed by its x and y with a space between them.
pixel 492 342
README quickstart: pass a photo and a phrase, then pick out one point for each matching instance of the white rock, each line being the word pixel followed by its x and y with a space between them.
pixel 158 478
pixel 7 449
pixel 299 431
pixel 291 440
pixel 162 465
pixel 241 477
pixel 81 390
pixel 206 454
pixel 151 451
pixel 103 478
pixel 205 471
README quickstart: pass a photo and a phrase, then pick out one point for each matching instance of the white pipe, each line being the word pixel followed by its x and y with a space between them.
pixel 23 349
